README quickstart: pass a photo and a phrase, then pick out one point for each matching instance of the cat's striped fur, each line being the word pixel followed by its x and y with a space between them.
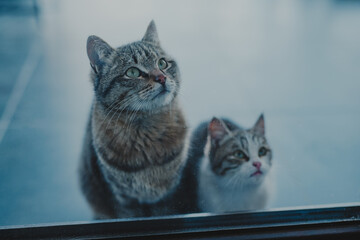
pixel 135 144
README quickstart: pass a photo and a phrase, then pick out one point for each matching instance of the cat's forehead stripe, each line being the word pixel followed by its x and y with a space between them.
pixel 232 136
pixel 243 139
pixel 244 142
pixel 142 51
pixel 226 139
pixel 258 139
pixel 134 54
pixel 146 51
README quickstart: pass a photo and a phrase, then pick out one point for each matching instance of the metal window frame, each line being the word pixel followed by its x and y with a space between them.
pixel 324 222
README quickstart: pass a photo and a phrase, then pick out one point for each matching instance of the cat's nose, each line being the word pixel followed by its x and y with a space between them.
pixel 257 165
pixel 160 79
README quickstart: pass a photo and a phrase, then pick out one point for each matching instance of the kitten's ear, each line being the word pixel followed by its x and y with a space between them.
pixel 217 130
pixel 98 52
pixel 259 126
pixel 151 34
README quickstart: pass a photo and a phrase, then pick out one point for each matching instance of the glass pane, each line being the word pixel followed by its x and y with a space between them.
pixel 295 61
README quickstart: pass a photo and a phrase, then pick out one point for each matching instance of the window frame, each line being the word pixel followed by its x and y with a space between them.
pixel 340 221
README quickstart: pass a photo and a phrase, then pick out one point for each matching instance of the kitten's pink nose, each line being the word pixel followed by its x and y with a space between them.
pixel 257 165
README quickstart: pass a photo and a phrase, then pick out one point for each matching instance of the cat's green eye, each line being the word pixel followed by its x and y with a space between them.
pixel 239 154
pixel 162 64
pixel 133 72
pixel 262 151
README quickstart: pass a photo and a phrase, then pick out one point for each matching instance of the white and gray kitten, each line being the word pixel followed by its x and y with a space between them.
pixel 233 172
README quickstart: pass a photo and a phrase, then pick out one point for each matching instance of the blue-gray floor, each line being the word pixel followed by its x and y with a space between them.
pixel 296 61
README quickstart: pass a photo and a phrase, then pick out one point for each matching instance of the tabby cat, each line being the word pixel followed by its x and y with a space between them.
pixel 228 167
pixel 135 144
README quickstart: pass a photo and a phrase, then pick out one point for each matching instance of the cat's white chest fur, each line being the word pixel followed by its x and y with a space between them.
pixel 218 194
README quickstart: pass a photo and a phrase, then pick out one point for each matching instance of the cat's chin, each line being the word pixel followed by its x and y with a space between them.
pixel 166 98
pixel 158 102
pixel 257 174
pixel 253 180
pixel 161 94
pixel 162 99
pixel 256 179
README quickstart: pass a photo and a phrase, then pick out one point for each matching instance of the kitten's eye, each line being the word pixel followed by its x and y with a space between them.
pixel 162 64
pixel 133 72
pixel 262 151
pixel 241 155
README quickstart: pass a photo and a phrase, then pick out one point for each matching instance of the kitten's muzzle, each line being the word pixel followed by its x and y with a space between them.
pixel 257 173
pixel 257 165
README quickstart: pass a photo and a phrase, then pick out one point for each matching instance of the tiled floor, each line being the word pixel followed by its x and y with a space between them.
pixel 298 61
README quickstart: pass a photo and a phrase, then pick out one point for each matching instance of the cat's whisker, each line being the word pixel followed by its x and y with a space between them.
pixel 106 117
pixel 229 181
pixel 124 131
pixel 125 103
pixel 133 102
pixel 233 180
pixel 132 117
pixel 110 108
pixel 128 119
pixel 145 92
pixel 127 122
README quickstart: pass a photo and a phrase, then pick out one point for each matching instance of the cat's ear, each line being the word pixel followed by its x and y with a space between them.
pixel 259 126
pixel 98 52
pixel 217 130
pixel 151 34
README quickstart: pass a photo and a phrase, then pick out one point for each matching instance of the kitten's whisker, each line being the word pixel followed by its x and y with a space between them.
pixel 232 180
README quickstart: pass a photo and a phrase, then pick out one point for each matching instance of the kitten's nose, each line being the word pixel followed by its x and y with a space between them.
pixel 257 165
